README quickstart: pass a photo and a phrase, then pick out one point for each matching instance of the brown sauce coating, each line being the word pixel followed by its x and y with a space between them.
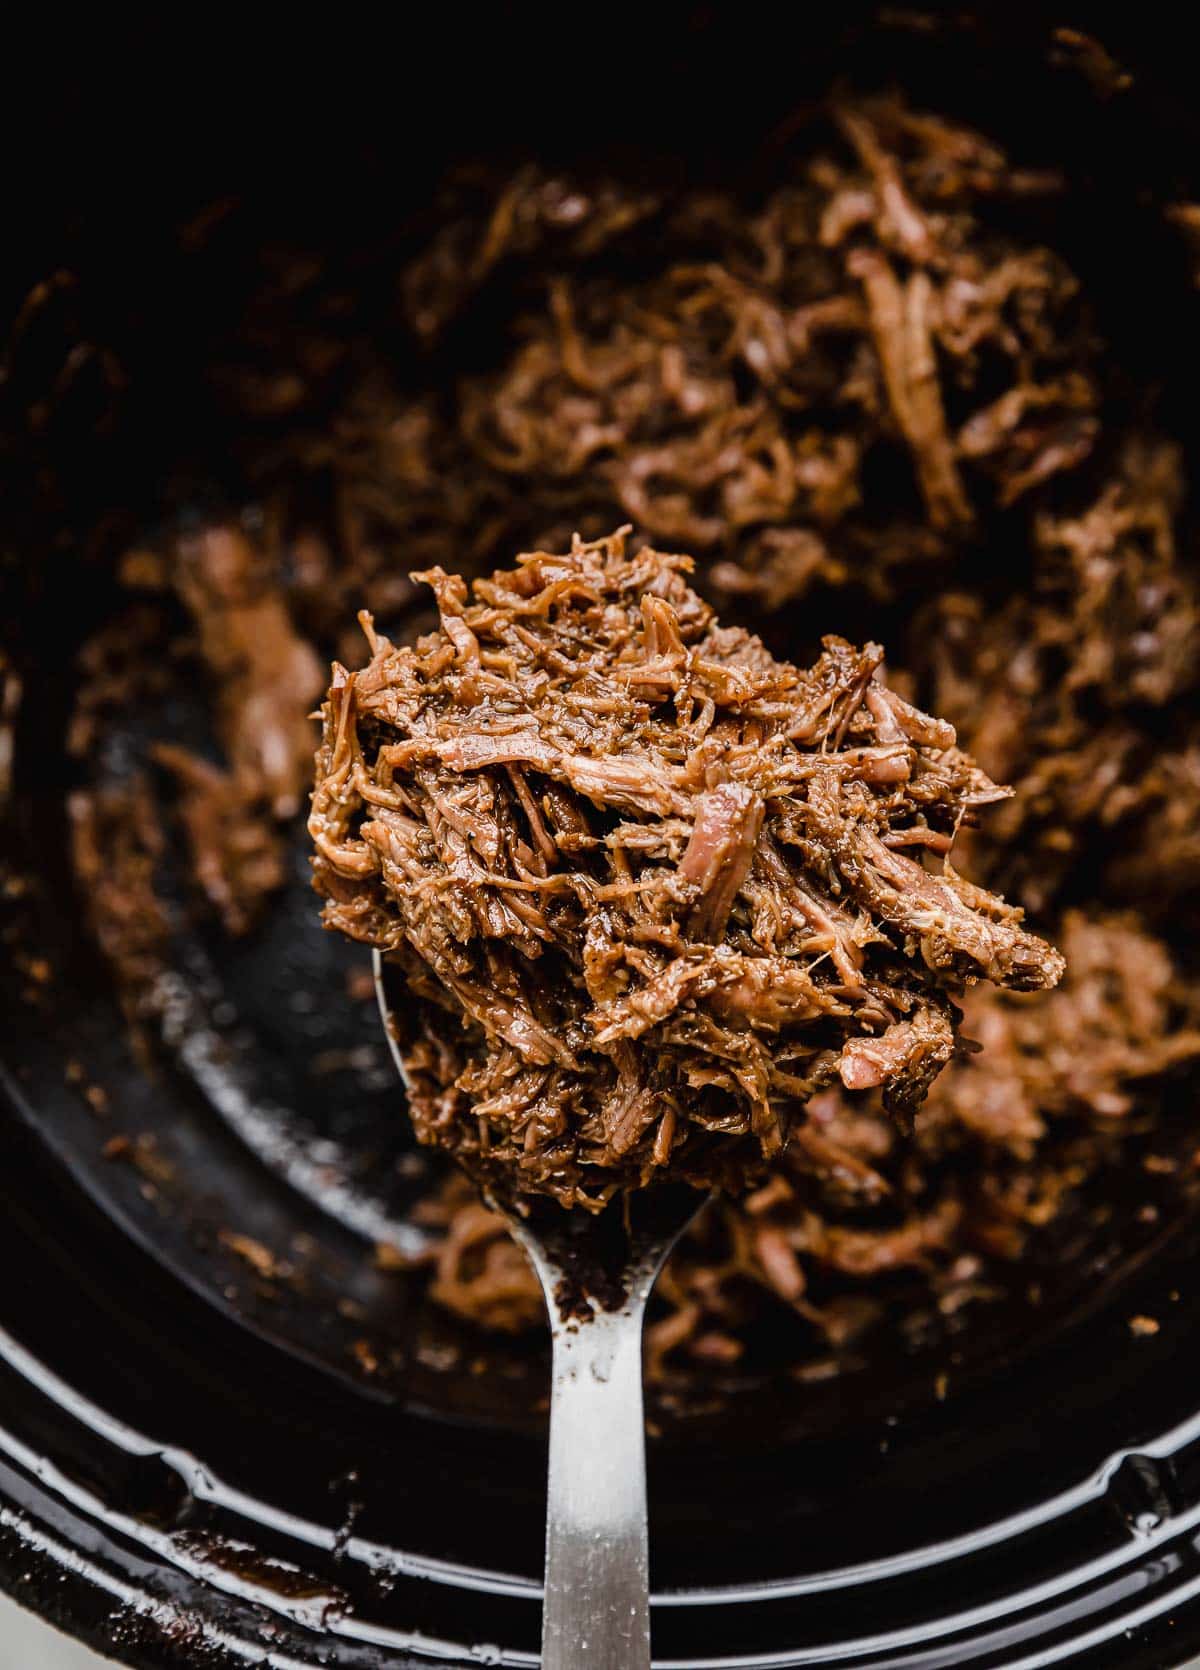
pixel 752 377
pixel 652 888
pixel 1008 1137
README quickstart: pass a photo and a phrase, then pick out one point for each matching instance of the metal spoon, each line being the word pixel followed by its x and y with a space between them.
pixel 596 1273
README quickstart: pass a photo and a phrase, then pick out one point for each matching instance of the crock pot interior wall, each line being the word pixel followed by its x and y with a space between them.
pixel 193 1470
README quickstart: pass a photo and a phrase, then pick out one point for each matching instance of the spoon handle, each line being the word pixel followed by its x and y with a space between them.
pixel 597 1606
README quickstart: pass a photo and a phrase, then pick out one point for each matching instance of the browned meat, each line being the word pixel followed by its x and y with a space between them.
pixel 1113 1023
pixel 830 1219
pixel 236 854
pixel 831 372
pixel 720 854
pixel 900 322
pixel 1057 691
pixel 266 679
pixel 267 676
pixel 908 1052
pixel 477 1254
pixel 631 990
pixel 116 841
pixel 728 369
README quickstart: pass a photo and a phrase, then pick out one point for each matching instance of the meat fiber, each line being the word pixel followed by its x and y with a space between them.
pixel 653 889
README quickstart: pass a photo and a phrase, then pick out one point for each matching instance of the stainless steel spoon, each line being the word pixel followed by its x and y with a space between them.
pixel 597 1273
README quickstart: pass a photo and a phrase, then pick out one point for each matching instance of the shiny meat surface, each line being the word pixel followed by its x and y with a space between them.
pixel 742 366
pixel 652 888
pixel 1008 1139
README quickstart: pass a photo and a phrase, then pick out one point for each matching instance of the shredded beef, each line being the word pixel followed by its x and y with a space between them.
pixel 116 842
pixel 267 678
pixel 648 881
pixel 264 677
pixel 1060 691
pixel 838 372
pixel 732 367
pixel 1036 1112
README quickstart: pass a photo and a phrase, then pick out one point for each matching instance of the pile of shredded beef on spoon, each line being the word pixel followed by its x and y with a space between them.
pixel 651 888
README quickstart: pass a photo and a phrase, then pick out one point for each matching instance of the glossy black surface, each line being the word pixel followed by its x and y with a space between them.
pixel 200 1466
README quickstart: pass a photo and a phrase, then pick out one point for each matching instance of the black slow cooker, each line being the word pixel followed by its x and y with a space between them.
pixel 202 1468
